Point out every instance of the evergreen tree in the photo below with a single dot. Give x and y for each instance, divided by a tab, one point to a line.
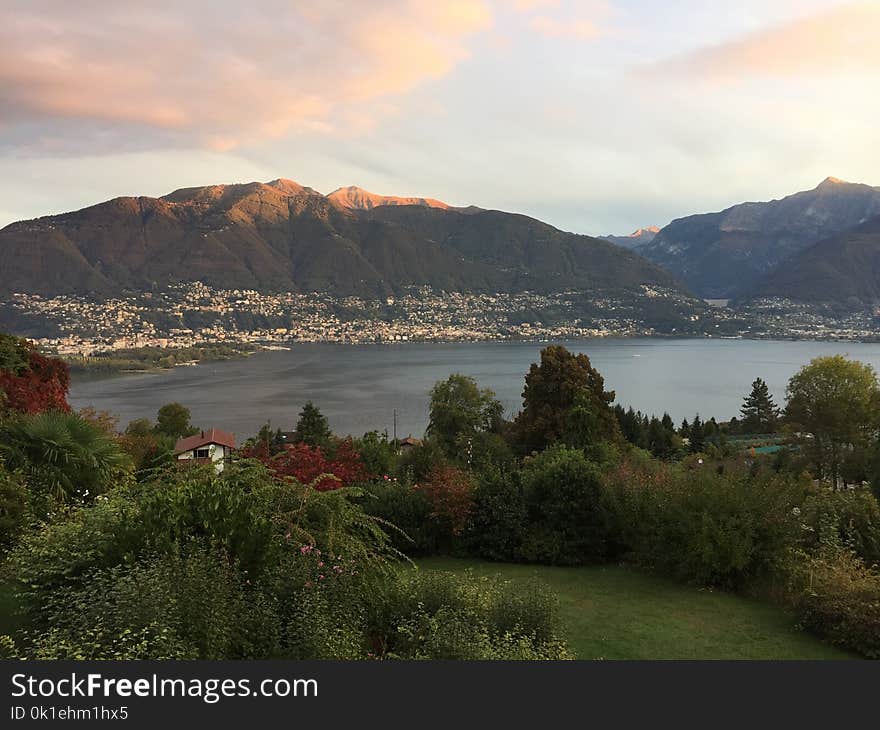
560	382
759	412
684	430
312	427
660	439
697	437
667	423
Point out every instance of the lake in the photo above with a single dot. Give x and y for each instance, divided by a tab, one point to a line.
358	387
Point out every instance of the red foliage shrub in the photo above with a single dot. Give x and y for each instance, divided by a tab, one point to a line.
41	386
450	492
307	463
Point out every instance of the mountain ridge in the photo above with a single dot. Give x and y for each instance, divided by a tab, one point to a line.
282	236
725	254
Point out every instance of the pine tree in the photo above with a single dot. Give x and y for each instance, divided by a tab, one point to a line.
685	429
312	427
759	412
697	437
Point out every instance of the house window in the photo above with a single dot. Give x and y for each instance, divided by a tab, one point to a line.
203	453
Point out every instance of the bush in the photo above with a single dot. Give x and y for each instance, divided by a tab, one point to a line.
439	615
409	510
567	521
838	597
702	526
449	491
13	508
852	516
63	456
499	516
419	461
192	604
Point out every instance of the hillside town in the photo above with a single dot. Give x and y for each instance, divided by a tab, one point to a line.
191	314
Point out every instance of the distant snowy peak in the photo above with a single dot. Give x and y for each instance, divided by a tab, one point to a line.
635	239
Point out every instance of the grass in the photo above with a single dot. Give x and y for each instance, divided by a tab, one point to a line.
618	612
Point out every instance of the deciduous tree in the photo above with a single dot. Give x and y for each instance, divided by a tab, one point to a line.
834	402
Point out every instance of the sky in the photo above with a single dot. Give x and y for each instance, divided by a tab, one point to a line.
598	116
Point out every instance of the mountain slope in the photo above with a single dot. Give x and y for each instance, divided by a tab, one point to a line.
281	236
723	255
842	270
360	199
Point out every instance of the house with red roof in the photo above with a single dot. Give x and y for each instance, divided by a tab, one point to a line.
207	447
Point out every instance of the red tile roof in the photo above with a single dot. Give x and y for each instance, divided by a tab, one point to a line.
214	436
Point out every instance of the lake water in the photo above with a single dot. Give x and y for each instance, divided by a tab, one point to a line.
358	387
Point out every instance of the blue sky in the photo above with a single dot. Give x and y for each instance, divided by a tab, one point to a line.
596	116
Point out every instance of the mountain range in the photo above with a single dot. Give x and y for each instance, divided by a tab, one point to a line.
727	254
283	236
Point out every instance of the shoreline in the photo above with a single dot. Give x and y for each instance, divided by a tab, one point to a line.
99	373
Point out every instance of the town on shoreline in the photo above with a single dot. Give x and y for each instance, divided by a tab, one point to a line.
188	323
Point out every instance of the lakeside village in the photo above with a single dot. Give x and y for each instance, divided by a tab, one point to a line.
192	314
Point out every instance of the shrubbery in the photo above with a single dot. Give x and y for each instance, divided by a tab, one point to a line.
440	615
837	596
196	565
701	526
567	522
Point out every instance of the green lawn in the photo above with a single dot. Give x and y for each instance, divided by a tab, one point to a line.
617	612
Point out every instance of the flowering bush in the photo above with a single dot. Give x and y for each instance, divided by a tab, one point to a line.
310	465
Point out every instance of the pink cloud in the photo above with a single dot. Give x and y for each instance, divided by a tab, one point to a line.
219	73
838	41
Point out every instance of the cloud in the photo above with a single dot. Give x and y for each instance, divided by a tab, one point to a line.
834	42
214	73
554	28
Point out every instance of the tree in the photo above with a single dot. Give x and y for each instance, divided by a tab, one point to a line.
144	444
63	456
759	412
172	420
567	520
312	427
460	410
560	382
834	402
450	492
662	441
31	382
697	435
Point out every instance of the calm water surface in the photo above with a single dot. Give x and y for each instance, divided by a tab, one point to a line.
358	387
